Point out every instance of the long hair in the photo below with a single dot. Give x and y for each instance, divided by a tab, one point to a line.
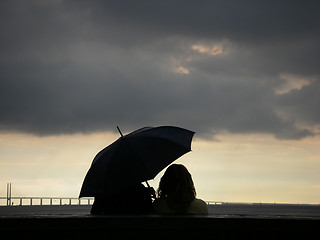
177	187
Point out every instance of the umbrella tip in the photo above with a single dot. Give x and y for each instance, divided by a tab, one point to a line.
120	131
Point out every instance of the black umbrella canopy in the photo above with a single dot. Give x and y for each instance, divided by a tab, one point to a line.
134	158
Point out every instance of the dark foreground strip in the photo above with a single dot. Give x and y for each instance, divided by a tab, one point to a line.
150	227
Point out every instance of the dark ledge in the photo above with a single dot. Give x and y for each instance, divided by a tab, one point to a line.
86	226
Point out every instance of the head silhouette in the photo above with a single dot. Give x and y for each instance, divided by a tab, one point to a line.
177	186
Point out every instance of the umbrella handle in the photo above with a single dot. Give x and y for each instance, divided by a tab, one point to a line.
153	194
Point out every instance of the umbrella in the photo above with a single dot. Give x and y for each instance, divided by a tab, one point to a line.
135	158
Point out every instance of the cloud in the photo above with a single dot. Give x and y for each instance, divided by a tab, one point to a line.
211	67
214	50
292	82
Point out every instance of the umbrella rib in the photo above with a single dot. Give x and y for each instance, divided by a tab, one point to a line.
141	162
168	140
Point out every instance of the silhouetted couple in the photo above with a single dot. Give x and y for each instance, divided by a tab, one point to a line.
176	195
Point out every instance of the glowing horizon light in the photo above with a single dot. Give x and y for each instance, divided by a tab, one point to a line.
234	168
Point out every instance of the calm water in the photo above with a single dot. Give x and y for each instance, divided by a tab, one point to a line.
224	210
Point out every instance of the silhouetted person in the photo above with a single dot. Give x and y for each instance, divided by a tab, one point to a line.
134	200
177	194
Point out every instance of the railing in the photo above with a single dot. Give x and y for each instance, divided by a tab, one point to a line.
214	203
30	201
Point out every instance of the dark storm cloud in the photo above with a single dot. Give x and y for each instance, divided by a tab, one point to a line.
82	66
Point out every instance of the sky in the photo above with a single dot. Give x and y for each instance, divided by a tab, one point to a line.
244	75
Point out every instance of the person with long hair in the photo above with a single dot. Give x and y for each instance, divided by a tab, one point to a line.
176	193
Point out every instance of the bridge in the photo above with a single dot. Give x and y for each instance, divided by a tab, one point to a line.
31	201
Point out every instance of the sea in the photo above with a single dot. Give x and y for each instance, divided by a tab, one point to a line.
225	210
